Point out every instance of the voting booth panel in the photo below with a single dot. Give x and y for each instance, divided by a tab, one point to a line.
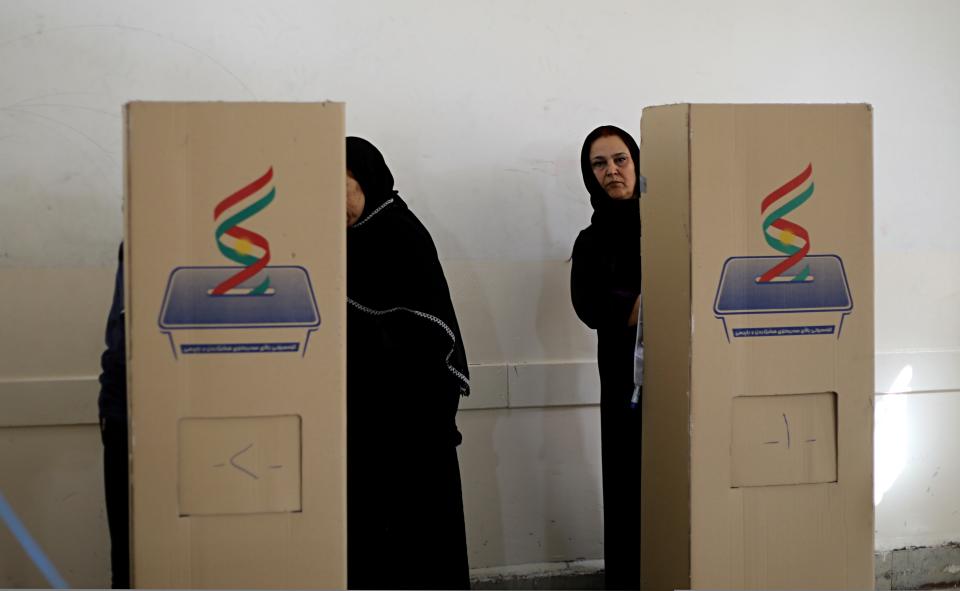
235	295
758	323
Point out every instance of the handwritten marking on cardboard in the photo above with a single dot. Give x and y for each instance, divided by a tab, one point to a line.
238	466
786	423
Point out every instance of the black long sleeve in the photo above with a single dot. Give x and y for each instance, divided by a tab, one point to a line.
113	361
601	298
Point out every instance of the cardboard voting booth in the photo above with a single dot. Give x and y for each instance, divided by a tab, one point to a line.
758	323
235	294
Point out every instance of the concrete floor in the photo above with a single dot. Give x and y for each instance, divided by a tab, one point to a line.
919	568
580	574
907	568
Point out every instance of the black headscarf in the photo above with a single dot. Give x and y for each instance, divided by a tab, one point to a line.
394	274
609	213
366	164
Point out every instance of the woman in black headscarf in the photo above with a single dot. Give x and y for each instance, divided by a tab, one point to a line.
406	370
605	288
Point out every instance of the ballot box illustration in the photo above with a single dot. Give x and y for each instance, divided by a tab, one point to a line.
203	306
235	281
813	289
199	321
757	252
819	302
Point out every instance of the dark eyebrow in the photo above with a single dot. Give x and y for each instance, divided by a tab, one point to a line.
599	158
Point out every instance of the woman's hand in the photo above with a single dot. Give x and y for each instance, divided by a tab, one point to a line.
635	313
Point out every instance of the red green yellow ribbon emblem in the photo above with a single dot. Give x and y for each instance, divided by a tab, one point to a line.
240	248
786	234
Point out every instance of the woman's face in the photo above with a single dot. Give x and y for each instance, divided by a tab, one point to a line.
612	165
355	200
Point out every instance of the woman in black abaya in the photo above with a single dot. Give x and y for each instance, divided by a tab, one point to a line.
406	370
605	288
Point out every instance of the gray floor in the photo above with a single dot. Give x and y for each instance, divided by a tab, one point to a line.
919	568
907	568
575	581
578	574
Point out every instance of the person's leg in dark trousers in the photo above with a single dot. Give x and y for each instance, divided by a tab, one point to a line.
620	451
113	433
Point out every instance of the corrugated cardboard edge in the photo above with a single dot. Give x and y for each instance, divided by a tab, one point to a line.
665	457
128	125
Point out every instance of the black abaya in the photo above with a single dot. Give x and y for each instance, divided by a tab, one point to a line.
605	283
406	369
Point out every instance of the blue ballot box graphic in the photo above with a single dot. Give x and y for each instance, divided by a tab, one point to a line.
819	303
199	321
801	293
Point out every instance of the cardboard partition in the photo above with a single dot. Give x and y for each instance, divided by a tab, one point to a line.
235	295
758	324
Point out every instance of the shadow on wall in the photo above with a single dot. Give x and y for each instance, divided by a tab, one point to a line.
479	459
58	497
530	476
467	288
61	128
569	514
482	498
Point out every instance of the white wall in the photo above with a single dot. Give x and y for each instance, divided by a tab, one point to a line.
480	108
